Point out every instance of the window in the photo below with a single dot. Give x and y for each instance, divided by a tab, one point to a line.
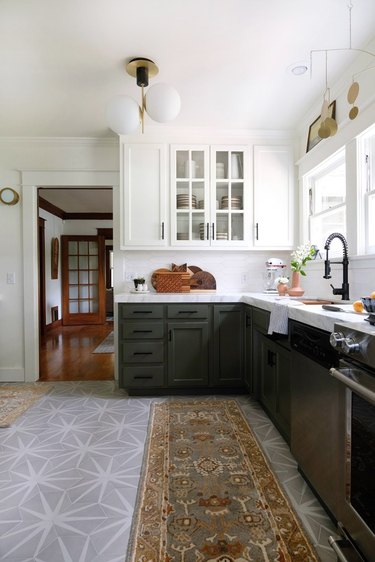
367	189
327	199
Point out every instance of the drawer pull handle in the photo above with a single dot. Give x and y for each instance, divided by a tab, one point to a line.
142	311
142	331
143	377
142	353
188	311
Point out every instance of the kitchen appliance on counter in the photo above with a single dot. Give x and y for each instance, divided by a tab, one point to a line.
274	268
356	509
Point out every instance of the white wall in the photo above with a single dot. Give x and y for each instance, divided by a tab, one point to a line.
53	228
16	156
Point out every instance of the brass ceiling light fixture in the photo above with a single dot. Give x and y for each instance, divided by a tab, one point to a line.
328	125
161	102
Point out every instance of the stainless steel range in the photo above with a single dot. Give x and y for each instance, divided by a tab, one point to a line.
356	509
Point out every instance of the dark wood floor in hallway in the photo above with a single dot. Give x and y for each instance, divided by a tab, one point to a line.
66	354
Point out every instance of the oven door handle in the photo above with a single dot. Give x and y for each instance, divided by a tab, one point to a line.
335	544
358	388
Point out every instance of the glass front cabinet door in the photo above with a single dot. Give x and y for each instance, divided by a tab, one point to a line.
229	223
209	196
190	205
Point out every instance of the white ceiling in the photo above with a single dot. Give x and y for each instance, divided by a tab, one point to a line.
79	200
61	61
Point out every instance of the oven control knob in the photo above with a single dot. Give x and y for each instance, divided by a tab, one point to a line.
336	339
349	345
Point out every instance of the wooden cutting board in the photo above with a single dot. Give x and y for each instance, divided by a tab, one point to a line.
203	280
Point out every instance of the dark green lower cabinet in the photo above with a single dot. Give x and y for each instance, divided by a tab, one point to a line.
228	345
182	346
273	372
188	354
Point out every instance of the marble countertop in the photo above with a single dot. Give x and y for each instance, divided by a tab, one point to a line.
312	314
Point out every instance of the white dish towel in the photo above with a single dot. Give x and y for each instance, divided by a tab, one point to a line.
278	319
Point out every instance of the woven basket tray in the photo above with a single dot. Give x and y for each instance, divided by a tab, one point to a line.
172	282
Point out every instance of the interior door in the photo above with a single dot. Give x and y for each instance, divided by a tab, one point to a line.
83	286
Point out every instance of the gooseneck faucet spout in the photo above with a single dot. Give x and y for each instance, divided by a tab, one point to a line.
344	291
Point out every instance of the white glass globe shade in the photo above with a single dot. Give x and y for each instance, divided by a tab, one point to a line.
162	102
123	115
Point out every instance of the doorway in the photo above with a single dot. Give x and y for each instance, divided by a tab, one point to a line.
68	342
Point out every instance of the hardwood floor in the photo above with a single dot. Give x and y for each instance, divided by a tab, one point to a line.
66	354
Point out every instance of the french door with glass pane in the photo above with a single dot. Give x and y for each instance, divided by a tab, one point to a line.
83	287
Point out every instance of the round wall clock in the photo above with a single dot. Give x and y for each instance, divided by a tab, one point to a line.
9	196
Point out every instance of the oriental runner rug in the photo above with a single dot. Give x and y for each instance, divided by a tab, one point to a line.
207	493
17	398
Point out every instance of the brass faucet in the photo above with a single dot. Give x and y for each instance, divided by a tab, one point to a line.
344	291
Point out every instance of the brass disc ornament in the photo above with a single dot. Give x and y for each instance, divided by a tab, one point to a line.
324	132
353	92
353	112
331	124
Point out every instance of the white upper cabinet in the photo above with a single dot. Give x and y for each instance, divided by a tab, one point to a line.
273	196
209	196
143	195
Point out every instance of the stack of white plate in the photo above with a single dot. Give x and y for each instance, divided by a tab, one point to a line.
222	236
182	236
201	204
220	173
202	231
235	203
183	201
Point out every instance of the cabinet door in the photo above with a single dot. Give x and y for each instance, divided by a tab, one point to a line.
188	353
273	196
143	195
248	349
190	201
267	375
230	197
228	345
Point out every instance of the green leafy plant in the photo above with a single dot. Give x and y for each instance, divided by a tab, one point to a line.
301	256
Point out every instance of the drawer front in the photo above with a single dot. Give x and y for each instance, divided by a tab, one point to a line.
141	311
142	376
142	330
261	318
187	311
143	352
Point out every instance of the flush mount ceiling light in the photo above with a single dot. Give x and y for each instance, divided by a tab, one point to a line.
298	68
161	102
328	125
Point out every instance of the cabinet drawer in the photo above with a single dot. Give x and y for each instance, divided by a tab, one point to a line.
143	352
141	311
261	318
142	330
187	311
143	376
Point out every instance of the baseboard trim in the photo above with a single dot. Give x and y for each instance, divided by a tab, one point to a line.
53	325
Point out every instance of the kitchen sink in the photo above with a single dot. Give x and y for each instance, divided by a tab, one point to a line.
315	301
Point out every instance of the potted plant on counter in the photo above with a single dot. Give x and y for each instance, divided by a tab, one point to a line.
300	257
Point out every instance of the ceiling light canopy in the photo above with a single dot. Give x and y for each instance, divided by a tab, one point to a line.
161	102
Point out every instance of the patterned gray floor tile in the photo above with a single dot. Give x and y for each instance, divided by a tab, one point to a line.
69	471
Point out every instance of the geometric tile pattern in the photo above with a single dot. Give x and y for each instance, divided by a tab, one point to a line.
70	466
